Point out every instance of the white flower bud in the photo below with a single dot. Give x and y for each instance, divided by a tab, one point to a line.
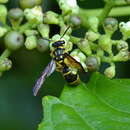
110	71
34	15
68	6
125	29
122	45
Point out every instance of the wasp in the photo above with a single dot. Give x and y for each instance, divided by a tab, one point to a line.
61	62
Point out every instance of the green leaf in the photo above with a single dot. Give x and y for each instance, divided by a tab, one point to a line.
102	104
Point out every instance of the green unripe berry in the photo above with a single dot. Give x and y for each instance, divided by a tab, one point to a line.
42	45
51	17
92	63
110	25
29	3
15	13
31	42
44	30
3	1
5	64
105	43
3	13
93	23
14	40
74	20
91	36
85	46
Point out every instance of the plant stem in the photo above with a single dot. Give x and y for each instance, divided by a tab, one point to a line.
106	59
104	13
116	11
5	54
24	27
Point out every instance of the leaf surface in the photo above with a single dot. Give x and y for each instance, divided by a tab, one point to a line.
102	104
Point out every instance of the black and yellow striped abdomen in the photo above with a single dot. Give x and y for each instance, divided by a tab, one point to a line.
70	77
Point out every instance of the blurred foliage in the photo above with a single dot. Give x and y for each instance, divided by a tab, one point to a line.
19	109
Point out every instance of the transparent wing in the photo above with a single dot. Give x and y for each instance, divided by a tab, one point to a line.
71	62
50	68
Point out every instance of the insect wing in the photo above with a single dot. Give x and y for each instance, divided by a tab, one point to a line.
71	62
46	73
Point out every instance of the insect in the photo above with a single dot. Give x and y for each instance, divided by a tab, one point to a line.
61	62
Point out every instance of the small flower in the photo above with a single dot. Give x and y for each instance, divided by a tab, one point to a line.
34	15
110	71
68	6
122	45
5	64
125	29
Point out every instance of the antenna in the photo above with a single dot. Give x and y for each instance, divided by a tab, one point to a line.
65	31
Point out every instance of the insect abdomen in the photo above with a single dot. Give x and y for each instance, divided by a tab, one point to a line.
70	77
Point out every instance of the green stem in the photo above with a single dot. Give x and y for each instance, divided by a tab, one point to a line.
106	59
25	27
116	11
106	10
5	54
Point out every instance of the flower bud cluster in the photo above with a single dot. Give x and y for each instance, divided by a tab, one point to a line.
30	28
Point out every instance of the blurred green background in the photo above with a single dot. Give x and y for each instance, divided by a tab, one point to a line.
19	109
